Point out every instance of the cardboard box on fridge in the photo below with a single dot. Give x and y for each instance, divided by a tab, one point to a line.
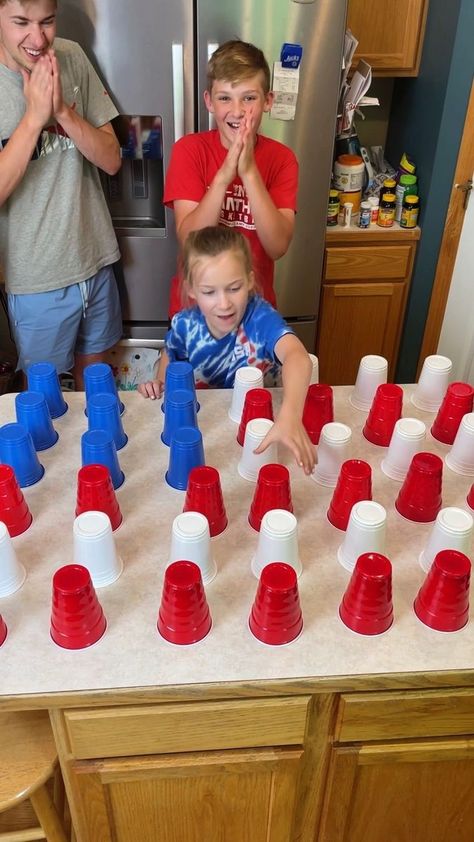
132	366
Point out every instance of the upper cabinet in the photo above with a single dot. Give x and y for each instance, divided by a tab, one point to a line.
390	34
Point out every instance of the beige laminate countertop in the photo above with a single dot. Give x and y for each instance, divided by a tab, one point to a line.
132	654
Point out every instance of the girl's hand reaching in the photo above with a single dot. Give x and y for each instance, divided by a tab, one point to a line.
151	389
290	432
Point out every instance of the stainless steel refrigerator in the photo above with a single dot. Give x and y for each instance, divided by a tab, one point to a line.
152	56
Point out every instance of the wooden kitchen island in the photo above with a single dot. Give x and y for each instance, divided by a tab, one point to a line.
335	737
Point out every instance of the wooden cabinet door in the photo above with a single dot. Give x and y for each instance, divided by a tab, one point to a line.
358	319
390	34
408	792
236	796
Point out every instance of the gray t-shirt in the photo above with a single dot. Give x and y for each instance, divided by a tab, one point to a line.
55	228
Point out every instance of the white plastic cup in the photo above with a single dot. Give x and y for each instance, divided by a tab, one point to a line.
452	530
315	371
371	374
277	541
432	383
333	450
366	533
246	378
407	436
94	548
250	462
461	456
12	573
191	541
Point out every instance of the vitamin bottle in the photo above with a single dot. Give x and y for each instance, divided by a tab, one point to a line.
410	208
333	207
386	216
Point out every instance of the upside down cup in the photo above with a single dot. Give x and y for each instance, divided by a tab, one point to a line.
104	414
366	606
33	412
95	493
276	616
179	375
204	495
442	603
470	498
12	573
385	411
17	449
43	377
272	491
457	401
184	615
180	411
3	630
98	448
419	498
318	409
14	511
99	379
186	453
354	484
257	404
77	619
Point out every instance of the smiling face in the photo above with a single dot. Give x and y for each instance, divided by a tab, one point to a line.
221	286
27	31
231	102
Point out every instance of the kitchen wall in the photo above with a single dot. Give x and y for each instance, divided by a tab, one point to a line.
426	120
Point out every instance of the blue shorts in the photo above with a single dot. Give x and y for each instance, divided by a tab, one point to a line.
83	318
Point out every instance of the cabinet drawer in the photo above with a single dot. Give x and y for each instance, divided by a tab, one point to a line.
381	716
367	262
193	726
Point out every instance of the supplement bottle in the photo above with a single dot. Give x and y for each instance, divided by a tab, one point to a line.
386	216
406	186
365	215
410	208
333	207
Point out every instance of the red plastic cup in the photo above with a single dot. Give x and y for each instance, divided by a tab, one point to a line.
77	619
470	497
366	606
419	498
204	495
354	484
384	413
442	603
95	493
276	616
257	404
272	491
318	409
3	630
14	511
458	401
184	615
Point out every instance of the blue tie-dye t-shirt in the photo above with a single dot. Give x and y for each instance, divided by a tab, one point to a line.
215	361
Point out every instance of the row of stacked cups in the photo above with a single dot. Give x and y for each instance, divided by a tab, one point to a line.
277	545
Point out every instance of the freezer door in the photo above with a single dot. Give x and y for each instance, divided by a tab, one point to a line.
319	26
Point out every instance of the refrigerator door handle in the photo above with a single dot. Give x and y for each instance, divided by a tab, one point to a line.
178	89
211	48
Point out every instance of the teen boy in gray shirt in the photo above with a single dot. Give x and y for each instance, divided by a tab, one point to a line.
57	241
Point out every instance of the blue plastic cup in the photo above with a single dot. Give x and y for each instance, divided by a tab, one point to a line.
32	411
43	377
186	452
99	378
98	448
179	375
180	411
18	451
103	414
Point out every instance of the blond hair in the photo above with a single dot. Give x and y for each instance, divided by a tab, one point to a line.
235	61
211	242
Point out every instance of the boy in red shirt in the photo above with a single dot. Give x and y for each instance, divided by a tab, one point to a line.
232	175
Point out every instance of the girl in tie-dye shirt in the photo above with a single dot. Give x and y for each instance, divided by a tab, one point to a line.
231	326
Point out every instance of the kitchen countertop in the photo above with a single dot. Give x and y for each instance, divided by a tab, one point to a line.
353	235
132	654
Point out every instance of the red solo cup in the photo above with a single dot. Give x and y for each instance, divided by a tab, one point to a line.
384	413
354	484
95	493
14	511
419	498
366	606
458	401
204	495
272	491
184	615
276	616
442	603
257	404
3	630
77	619
470	497
318	409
